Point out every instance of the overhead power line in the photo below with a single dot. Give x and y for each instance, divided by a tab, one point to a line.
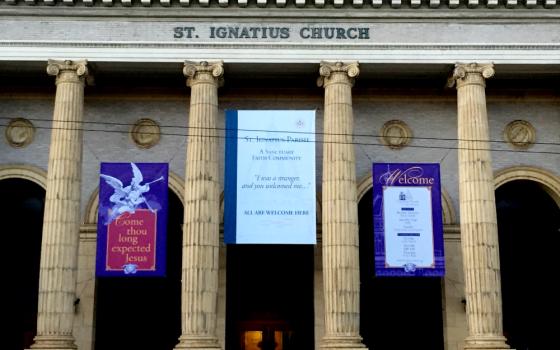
263	131
315	141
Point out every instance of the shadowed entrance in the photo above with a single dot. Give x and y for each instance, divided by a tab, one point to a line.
396	313
269	297
21	214
528	228
143	312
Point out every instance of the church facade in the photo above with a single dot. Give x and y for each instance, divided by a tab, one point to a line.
470	85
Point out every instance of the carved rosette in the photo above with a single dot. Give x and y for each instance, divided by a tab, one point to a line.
68	71
337	72
471	73
204	72
520	134
145	133
396	134
19	132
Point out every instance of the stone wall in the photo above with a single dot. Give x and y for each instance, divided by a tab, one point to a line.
427	117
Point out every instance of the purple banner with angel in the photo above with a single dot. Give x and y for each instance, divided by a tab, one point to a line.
407	220
132	219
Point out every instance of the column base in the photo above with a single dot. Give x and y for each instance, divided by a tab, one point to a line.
342	342
198	342
488	342
53	342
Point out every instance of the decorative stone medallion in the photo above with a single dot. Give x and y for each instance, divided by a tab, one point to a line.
145	133
396	134
19	132
520	134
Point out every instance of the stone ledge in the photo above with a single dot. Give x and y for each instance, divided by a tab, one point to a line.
394	5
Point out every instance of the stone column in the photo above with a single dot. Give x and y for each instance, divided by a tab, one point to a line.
61	222
341	269
479	234
201	229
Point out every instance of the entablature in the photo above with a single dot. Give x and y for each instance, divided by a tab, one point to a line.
281	32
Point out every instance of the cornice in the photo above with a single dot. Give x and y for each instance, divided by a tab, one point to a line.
320	46
285	8
265	52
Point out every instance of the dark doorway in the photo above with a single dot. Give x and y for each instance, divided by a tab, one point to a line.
528	228
143	312
396	313
269	297
21	213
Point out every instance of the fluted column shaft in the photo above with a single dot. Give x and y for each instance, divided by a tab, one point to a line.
202	211
479	234
341	272
61	221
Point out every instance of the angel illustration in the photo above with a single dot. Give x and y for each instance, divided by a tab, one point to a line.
127	199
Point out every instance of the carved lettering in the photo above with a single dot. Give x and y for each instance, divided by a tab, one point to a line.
183	32
246	33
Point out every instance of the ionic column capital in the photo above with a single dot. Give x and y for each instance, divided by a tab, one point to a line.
337	72
68	71
204	72
471	74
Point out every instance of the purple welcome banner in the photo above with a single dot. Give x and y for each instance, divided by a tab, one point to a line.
407	220
132	219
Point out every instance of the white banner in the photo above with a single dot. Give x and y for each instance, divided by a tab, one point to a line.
270	177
